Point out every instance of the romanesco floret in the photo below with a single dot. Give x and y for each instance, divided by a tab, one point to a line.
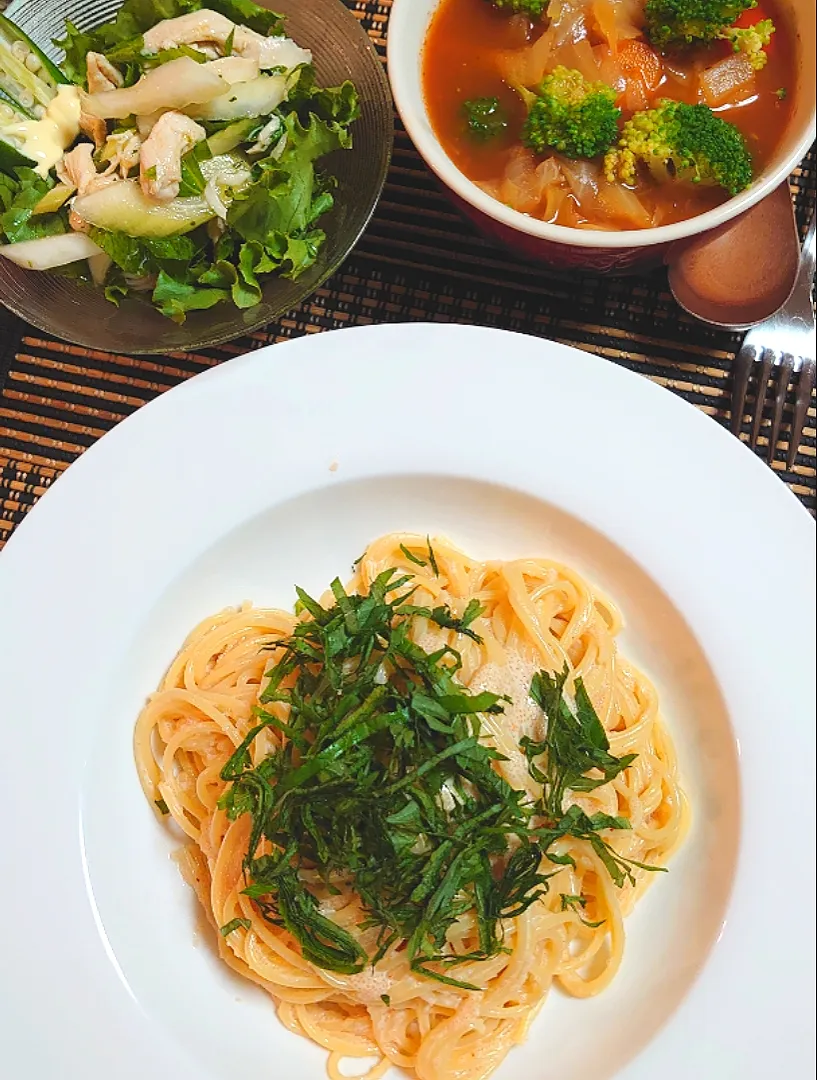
571	115
683	142
751	41
670	23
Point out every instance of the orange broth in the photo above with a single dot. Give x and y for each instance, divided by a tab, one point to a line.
472	50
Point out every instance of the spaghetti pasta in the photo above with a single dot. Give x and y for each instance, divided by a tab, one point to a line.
534	614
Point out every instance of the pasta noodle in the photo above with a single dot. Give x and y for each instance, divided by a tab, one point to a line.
536	614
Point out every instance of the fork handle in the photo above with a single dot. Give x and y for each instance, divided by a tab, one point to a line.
805	381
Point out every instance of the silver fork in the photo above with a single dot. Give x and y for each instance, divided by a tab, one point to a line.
784	344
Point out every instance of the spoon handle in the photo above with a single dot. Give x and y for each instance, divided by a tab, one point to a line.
800	303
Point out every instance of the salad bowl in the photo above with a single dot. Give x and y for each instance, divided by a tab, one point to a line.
77	312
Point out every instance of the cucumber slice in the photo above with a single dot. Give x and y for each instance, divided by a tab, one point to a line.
50	251
124	208
231	171
222	142
259	97
54	199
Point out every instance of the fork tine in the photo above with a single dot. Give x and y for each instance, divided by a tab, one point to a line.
783	377
805	387
740	382
760	393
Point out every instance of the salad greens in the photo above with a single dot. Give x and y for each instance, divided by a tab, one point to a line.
246	199
384	784
20	194
120	39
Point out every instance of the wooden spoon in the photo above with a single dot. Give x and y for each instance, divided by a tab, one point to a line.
742	272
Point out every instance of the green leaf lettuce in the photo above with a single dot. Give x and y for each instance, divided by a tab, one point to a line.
137	16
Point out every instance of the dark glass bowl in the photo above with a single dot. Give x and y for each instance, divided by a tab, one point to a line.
80	314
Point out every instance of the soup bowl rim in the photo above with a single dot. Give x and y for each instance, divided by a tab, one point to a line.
405	75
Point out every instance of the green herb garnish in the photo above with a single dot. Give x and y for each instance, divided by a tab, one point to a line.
570	900
576	744
432	558
442	617
578	904
234	924
161	806
411	557
384	786
781	93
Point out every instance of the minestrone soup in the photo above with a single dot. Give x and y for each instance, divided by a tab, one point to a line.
609	114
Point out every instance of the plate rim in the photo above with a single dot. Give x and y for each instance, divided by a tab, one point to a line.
42	536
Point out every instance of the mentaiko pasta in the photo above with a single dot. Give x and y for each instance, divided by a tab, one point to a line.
427	1010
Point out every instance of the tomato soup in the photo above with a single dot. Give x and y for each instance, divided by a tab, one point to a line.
475	51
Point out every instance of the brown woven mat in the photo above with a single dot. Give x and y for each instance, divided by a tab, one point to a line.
418	261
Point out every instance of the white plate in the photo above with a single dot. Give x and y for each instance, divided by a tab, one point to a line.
277	468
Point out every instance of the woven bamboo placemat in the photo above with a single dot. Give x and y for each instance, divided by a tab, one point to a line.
417	261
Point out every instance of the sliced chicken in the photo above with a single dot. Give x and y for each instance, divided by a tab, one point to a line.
173	135
207	29
122	150
94	128
102	75
172	86
78	223
203	27
78	170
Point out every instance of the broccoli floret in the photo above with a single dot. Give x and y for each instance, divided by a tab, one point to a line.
685	142
751	40
533	8
485	118
671	23
572	115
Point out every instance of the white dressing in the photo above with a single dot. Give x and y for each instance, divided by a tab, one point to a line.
46	140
